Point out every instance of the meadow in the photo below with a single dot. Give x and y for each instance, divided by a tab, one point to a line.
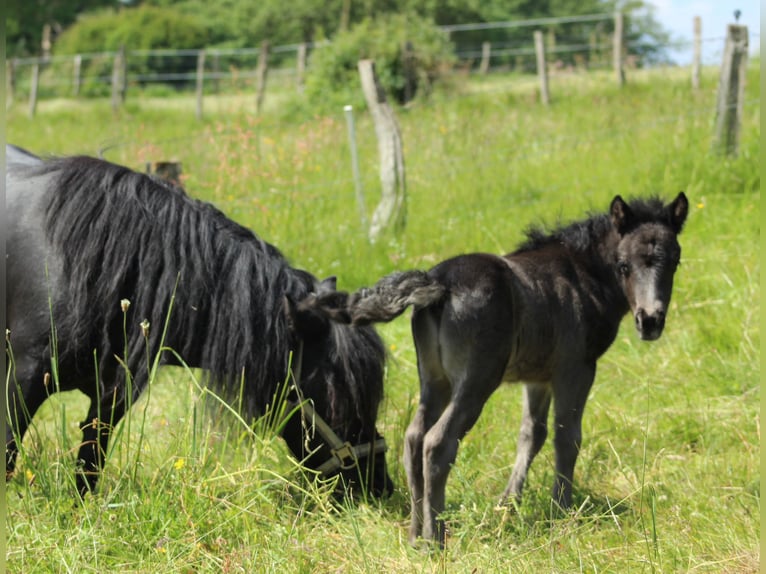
668	476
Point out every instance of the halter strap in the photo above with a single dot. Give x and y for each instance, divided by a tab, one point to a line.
343	456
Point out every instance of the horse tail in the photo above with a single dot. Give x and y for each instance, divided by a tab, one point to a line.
390	296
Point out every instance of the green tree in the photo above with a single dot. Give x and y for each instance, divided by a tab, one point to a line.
24	21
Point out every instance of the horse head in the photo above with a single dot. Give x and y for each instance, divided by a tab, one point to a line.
340	380
647	257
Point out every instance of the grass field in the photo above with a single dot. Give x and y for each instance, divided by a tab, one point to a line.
668	477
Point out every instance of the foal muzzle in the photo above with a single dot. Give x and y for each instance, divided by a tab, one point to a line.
649	327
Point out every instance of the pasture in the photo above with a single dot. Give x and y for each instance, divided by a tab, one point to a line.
668	478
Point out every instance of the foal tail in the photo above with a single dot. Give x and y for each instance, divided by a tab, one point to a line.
390	296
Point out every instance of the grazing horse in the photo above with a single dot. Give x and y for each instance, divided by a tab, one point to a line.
94	249
543	315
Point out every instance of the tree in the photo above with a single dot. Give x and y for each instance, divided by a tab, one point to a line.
25	20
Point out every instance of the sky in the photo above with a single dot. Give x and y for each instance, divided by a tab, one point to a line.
677	16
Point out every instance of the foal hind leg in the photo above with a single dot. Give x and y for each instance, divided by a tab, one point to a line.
534	431
440	448
571	386
435	391
433	400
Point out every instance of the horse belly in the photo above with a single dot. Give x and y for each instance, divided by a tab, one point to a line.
532	353
529	369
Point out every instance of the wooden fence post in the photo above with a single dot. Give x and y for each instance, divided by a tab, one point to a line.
77	75
542	70
391	211
261	72
34	81
410	76
731	91
216	72
697	61
200	81
617	47
301	67
167	170
10	82
486	50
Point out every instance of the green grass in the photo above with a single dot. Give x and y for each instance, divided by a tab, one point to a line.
668	479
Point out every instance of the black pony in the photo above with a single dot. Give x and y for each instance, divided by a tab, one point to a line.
543	315
91	245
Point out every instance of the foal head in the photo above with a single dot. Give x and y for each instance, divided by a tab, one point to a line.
647	256
341	372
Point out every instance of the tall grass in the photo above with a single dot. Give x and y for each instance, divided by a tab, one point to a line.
668	477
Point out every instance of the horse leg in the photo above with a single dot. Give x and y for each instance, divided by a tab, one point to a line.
96	431
435	391
440	447
26	391
534	430
432	404
571	386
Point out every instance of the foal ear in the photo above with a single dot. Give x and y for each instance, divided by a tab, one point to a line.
678	210
621	214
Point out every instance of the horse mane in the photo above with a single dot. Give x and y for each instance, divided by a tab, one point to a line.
581	235
216	288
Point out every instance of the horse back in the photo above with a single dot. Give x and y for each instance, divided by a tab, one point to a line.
572	297
538	311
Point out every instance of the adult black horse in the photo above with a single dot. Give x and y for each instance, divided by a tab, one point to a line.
543	315
93	246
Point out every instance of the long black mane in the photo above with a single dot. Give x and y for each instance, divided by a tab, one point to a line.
126	235
583	234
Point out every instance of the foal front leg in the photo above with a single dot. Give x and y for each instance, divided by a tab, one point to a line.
571	386
534	431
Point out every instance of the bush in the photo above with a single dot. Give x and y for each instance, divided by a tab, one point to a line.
142	28
333	77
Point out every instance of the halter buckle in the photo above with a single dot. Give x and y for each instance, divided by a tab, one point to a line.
345	455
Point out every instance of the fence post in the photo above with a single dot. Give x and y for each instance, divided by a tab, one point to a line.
10	82
200	81
697	61
542	70
391	211
77	73
617	48
349	111
301	67
34	81
731	90
117	77
261	73
486	50
410	77
216	72
167	170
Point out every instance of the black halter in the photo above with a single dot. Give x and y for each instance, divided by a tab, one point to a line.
343	455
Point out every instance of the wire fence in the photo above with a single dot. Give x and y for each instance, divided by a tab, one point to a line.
282	194
480	48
